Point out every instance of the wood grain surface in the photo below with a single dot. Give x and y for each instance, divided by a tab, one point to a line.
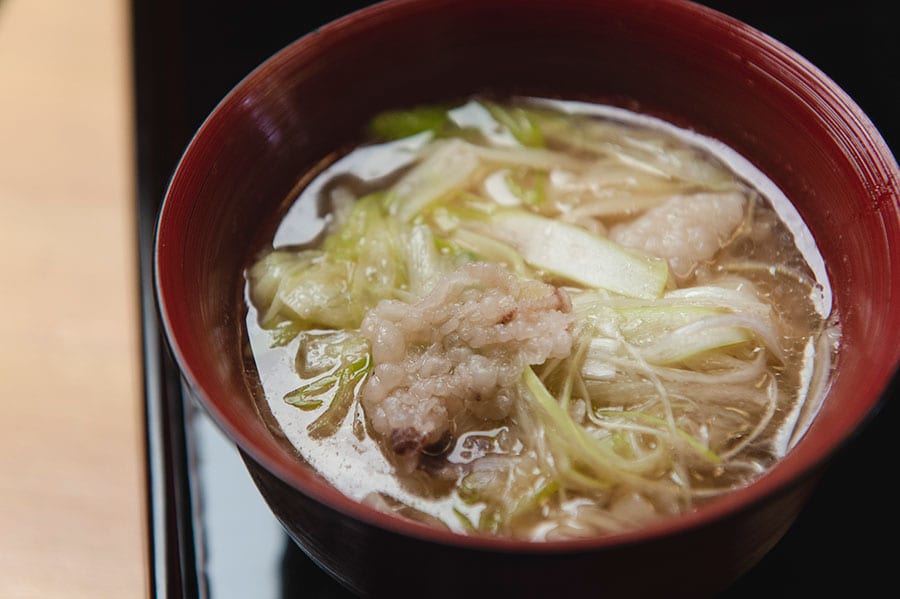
71	461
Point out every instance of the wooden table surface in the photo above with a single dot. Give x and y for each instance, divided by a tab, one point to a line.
71	461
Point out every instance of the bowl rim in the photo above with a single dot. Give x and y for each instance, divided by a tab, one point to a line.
777	480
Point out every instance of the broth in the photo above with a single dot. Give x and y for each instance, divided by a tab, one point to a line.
539	319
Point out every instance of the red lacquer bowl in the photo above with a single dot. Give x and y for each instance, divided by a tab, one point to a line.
670	58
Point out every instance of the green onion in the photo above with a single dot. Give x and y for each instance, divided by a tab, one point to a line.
398	124
519	122
692	441
347	378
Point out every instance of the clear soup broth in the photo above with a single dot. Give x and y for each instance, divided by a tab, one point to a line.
539	319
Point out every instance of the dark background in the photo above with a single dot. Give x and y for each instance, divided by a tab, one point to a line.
190	53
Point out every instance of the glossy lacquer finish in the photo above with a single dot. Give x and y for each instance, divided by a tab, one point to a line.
677	60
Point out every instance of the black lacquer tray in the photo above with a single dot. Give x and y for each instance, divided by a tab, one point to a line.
211	535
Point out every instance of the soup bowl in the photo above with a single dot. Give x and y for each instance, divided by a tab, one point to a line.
679	61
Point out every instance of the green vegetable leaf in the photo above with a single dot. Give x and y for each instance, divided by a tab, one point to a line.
398	124
527	185
577	254
347	378
307	397
464	520
701	449
519	122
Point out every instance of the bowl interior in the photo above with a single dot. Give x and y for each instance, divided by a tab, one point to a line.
676	60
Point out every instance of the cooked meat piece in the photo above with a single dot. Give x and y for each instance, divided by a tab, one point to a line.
461	348
685	230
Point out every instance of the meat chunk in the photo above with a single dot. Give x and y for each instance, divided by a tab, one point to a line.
685	230
460	349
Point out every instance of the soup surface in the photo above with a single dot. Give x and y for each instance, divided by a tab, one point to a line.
539	319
